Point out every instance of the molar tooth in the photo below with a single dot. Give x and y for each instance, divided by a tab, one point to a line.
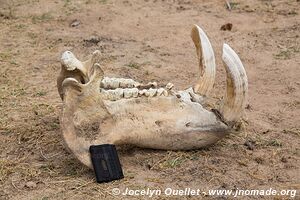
130	92
115	83
146	92
116	94
136	84
127	93
152	92
122	83
119	93
141	93
135	92
127	83
154	84
110	95
104	82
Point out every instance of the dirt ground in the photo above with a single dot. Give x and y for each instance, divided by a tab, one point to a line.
148	40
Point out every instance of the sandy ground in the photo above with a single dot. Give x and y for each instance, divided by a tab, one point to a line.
148	40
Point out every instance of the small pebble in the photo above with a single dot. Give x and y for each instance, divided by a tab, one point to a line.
226	27
250	144
75	23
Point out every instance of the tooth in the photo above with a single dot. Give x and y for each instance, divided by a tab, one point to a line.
115	83
109	95
127	83
116	94
154	84
135	92
142	92
136	84
169	86
237	85
146	93
130	92
127	93
122	83
119	93
104	82
206	59
152	92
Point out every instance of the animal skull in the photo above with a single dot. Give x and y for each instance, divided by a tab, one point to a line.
99	110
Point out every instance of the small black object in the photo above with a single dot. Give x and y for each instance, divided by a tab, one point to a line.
106	163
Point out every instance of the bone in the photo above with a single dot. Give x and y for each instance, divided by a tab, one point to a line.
72	67
70	62
94	58
207	63
176	122
237	85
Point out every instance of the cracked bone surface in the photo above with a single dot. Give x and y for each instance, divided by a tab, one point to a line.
100	110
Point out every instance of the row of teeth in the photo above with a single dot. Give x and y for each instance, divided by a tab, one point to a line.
128	93
114	83
118	88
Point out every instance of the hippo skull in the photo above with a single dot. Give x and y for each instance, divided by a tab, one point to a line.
99	109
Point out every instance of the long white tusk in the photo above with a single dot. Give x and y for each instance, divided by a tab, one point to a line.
207	64
237	85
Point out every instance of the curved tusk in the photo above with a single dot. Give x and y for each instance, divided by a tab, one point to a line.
207	64
237	85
